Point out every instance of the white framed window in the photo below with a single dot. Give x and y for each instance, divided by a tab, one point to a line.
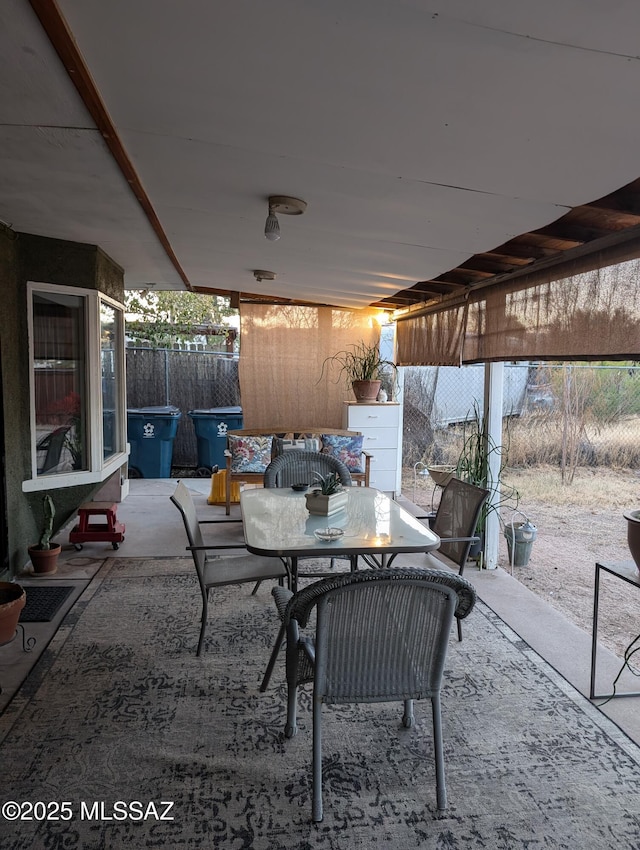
77	386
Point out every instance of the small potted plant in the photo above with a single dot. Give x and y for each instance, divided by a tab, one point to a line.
44	555
329	498
362	366
12	601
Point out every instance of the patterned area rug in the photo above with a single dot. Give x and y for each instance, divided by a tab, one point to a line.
120	709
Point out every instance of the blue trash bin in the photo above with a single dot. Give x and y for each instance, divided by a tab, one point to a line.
151	432
211	428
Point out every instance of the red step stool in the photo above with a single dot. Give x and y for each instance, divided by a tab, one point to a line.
85	531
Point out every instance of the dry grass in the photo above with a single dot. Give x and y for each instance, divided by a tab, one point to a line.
536	440
591	487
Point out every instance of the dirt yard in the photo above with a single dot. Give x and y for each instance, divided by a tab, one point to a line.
577	525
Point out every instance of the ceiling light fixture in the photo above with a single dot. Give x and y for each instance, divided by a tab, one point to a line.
262	274
283	205
272	227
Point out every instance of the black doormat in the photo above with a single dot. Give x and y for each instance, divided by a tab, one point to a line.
43	603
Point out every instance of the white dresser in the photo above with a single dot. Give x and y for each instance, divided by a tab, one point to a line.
381	425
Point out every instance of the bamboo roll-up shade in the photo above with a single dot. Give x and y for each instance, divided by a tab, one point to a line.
282	351
434	339
594	315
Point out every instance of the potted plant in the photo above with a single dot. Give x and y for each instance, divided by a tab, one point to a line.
44	555
12	601
474	466
633	535
363	368
329	498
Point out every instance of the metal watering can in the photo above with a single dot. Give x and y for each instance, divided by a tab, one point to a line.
520	538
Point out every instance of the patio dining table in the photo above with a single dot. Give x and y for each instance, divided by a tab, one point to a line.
277	523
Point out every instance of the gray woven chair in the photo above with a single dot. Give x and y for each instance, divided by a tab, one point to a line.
455	524
379	636
300	467
216	570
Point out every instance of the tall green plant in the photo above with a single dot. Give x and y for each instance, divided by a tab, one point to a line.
358	362
473	466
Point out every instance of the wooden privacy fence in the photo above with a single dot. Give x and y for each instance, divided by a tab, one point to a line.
188	380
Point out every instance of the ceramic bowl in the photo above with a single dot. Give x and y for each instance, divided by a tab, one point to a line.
299	488
328	534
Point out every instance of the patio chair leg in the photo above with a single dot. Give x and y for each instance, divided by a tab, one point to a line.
255	587
203	622
291	726
441	789
459	624
317	761
272	660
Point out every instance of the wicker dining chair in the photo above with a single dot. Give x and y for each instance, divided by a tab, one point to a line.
379	636
300	467
215	569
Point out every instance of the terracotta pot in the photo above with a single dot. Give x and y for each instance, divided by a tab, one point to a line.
12	601
633	535
44	561
366	392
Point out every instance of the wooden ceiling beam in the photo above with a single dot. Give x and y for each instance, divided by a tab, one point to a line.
591	216
463	276
507	259
67	49
526	248
492	264
438	286
609	226
563	238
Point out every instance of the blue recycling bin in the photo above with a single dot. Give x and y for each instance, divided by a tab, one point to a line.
151	432
211	426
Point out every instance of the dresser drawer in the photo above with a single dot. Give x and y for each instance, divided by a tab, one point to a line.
379	438
384	459
364	416
383	480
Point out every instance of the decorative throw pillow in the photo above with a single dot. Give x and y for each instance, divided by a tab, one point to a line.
346	449
306	444
249	454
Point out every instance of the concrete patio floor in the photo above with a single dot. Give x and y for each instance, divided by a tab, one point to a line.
154	529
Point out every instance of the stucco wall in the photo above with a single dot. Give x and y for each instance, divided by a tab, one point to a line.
24	257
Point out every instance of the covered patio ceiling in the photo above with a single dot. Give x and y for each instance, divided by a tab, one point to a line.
439	146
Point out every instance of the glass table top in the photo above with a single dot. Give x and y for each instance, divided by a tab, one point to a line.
277	522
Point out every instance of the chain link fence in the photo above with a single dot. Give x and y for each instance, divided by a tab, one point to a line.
567	415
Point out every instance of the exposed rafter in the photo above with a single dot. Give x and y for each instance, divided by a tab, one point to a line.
609	224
